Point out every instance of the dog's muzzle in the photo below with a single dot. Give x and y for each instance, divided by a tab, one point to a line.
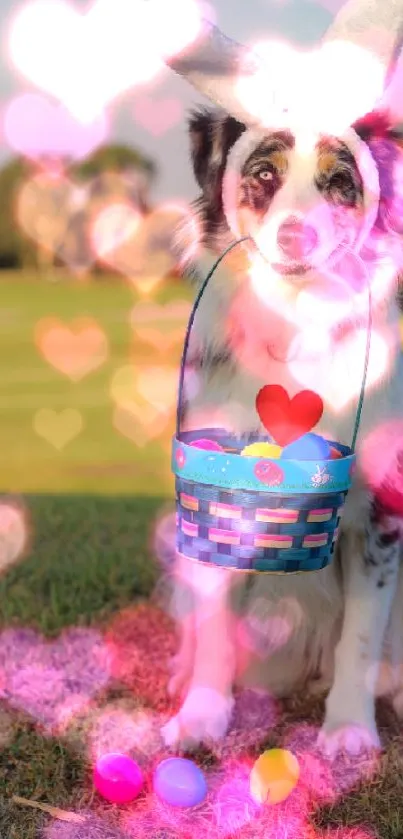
296	240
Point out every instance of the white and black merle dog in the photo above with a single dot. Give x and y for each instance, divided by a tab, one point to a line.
339	629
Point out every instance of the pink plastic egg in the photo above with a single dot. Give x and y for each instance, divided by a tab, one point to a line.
209	445
118	778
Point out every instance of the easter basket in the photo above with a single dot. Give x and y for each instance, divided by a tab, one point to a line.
253	513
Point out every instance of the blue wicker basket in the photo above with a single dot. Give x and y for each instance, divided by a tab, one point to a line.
254	514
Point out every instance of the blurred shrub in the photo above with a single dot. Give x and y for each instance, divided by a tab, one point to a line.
17	250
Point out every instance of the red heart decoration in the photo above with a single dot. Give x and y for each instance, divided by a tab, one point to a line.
288	419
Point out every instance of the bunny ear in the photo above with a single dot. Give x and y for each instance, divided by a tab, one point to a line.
374	25
392	99
212	64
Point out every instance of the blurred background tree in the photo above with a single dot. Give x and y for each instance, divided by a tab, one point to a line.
116	171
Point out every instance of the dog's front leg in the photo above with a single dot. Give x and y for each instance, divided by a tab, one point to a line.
370	568
206	711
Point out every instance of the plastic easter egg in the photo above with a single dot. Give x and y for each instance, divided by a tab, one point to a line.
274	776
309	447
262	450
335	454
179	782
118	778
209	445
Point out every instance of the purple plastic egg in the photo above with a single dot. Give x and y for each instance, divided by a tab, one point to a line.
179	782
309	447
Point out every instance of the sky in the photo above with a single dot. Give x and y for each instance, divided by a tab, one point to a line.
169	97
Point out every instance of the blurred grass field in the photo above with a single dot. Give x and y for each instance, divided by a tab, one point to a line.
100	459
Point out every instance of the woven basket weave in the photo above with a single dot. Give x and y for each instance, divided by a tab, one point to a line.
256	514
251	527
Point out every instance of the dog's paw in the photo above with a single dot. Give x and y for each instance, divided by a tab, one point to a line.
204	718
349	738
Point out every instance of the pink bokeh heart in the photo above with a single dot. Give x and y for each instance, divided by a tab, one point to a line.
338	375
52	210
58	427
35	127
157	115
142	408
382	463
52	680
58	212
74	350
142	248
140	423
13	534
158	385
161	326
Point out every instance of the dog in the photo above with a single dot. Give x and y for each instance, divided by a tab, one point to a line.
339	629
293	303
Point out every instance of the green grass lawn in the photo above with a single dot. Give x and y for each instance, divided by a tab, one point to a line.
99	459
90	507
85	585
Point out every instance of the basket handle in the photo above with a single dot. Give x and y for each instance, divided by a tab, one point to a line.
190	325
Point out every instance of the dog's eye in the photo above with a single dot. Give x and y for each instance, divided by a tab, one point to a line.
341	181
265	175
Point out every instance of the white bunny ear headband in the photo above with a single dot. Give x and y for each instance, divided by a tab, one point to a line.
221	69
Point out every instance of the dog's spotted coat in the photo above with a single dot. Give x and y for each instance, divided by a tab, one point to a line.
345	619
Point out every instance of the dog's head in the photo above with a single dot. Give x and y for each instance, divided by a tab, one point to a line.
301	199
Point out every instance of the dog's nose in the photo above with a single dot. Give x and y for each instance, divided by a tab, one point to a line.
295	239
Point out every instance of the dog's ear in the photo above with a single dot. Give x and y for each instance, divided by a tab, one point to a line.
212	135
385	142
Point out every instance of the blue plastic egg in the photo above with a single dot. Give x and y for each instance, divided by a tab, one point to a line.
309	447
179	782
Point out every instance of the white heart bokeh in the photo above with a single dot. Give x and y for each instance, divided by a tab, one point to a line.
325	89
86	60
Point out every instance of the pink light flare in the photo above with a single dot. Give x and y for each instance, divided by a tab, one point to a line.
157	115
145	248
164	539
256	713
302	322
74	350
52	681
381	461
14	534
316	358
338	376
36	128
92	827
302	90
183	230
329	295
263	634
114	225
337	291
87	59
